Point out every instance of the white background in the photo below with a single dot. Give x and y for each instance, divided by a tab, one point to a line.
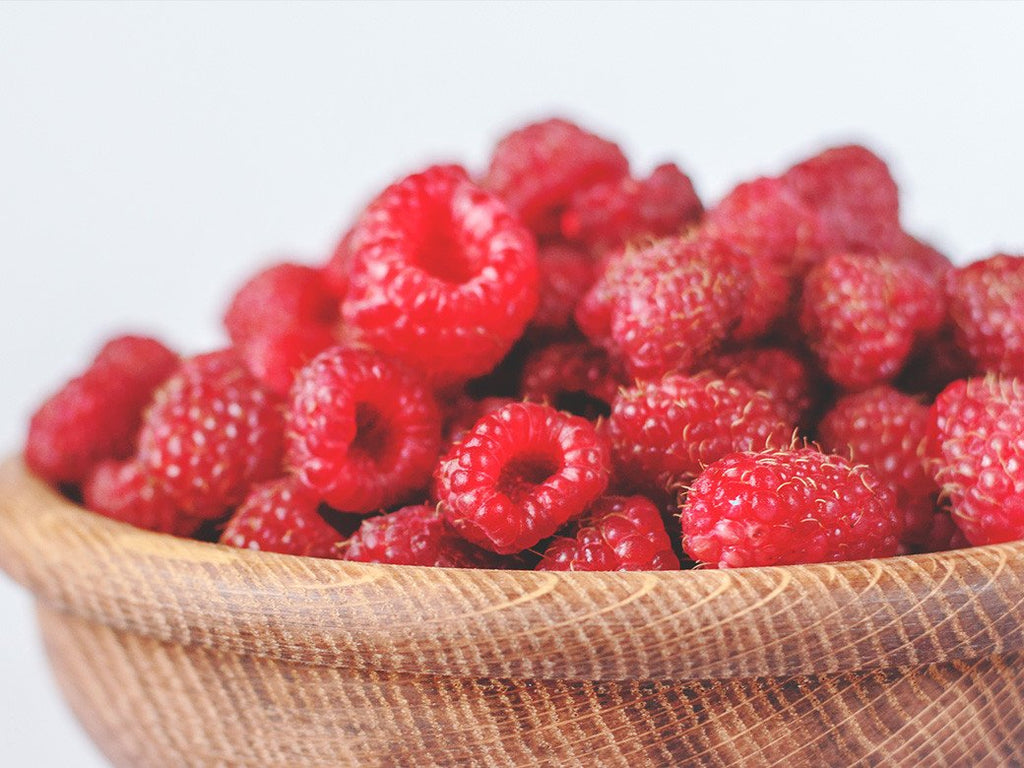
153	155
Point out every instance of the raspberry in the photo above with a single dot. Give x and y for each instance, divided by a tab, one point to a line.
862	315
788	506
886	430
443	277
931	262
943	535
566	274
97	415
364	431
593	313
573	377
466	411
609	214
124	491
537	169
934	363
976	446
520	474
338	266
282	297
210	433
674	301
663	433
854	195
416	535
282	516
986	304
275	358
618	533
774	370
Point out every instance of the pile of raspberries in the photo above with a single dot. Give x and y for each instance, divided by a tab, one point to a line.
558	365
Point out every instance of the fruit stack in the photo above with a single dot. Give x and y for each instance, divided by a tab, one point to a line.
556	364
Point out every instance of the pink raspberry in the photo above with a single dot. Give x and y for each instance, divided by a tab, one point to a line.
976	447
566	274
986	304
124	491
364	431
787	506
282	516
520	474
574	377
886	430
774	370
211	432
416	535
536	169
862	315
854	195
609	214
96	416
442	276
618	533
663	433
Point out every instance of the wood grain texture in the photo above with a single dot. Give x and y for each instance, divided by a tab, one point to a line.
177	653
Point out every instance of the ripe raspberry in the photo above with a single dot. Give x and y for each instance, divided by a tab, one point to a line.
364	431
886	430
211	432
609	214
943	535
934	363
976	445
520	474
123	490
282	516
862	314
788	506
855	196
280	298
537	169
566	274
618	533
464	412
931	262
338	266
443	277
674	301
663	433
416	535
986	304
97	415
276	358
774	370
593	313
573	377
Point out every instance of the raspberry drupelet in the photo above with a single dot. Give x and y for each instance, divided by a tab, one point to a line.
364	431
777	371
617	533
788	506
520	474
443	277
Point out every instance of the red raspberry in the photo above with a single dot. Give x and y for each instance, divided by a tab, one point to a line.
886	430
520	474
416	535
663	433
566	274
338	267
465	412
280	298
674	301
97	415
862	314
976	443
943	535
443	277
282	516
931	262
774	370
211	432
275	358
364	431
619	533
788	506
986	304
609	214
124	491
934	363
537	169
593	313
855	196
573	377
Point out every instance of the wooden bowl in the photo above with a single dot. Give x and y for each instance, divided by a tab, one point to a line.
178	653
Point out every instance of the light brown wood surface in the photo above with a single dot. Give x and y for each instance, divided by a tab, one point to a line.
179	653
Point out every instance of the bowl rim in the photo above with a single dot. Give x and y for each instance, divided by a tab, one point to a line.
791	620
